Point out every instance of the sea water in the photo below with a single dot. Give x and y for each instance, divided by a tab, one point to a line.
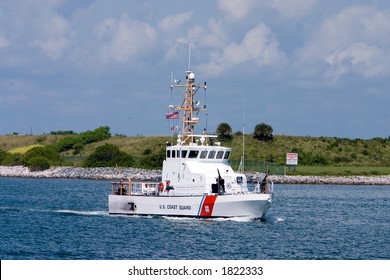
67	219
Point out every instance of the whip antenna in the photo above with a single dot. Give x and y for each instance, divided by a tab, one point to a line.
189	56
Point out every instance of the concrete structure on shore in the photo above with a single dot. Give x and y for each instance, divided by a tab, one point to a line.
106	173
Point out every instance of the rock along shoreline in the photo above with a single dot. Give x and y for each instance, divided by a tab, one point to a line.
107	173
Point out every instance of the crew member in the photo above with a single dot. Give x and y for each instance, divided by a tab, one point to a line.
169	187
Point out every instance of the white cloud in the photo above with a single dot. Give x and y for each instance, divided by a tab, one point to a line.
215	36
173	23
352	41
258	46
358	58
202	38
235	9
127	38
54	33
36	24
292	8
53	47
58	40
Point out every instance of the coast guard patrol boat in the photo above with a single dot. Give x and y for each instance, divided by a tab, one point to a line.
197	180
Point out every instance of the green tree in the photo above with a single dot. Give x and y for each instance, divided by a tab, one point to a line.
224	132
67	143
41	158
108	155
38	163
152	161
63	132
3	155
12	159
77	142
99	134
263	132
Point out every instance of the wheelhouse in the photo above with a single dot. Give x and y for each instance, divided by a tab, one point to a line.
201	153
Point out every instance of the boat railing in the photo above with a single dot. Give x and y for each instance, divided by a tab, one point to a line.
135	188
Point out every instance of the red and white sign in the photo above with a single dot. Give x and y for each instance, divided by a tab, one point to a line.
291	159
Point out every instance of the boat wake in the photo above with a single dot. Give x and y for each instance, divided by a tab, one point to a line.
274	220
88	213
75	212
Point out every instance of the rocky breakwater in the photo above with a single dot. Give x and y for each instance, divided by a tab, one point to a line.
97	173
106	173
325	180
334	180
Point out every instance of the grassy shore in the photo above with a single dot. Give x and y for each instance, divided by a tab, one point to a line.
339	170
317	155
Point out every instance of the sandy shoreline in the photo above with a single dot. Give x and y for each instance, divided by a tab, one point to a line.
105	173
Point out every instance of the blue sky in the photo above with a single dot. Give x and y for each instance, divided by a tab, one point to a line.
305	67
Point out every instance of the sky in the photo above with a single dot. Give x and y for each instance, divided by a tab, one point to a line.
305	67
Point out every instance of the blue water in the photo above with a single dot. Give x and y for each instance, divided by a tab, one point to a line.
67	219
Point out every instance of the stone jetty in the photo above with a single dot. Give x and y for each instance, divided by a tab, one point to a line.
106	173
332	180
97	173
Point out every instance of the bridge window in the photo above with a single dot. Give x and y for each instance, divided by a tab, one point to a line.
219	154
193	154
183	154
211	154
203	154
173	153
227	154
168	153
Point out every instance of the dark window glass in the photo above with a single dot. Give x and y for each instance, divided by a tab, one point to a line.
193	154
203	154
211	154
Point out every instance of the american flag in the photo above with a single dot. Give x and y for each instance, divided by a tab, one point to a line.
176	127
172	115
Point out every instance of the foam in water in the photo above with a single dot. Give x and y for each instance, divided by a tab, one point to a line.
102	213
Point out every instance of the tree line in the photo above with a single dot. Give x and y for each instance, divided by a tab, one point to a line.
262	132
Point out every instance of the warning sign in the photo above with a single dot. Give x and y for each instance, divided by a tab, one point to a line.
291	159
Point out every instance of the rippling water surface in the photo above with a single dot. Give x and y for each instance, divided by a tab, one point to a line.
68	219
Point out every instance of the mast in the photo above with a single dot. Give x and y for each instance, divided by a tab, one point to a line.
190	107
243	133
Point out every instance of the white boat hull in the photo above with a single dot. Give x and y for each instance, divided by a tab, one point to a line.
252	205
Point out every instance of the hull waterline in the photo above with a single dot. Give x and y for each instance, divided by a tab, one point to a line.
206	206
